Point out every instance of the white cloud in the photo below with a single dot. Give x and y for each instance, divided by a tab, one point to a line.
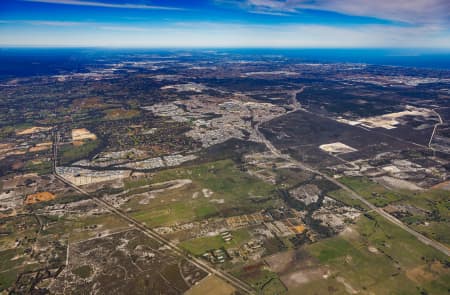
124	28
53	23
410	11
204	34
105	4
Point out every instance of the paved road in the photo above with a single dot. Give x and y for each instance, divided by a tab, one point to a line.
438	246
441	122
238	284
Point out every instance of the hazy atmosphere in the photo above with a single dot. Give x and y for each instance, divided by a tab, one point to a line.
226	23
225	147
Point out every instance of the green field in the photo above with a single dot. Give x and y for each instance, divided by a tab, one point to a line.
7	278
438	231
381	258
261	279
273	286
288	178
120	114
71	153
76	229
434	222
17	227
320	287
9	272
169	214
234	193
84	271
345	197
371	191
199	246
15	260
211	285
42	168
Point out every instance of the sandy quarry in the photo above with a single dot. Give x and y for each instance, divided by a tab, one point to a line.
41	147
39	197
32	130
395	183
82	134
390	121
337	148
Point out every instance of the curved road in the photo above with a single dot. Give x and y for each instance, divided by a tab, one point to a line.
441	122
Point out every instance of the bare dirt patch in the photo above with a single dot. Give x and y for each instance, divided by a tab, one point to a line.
41	147
390	121
31	130
349	232
211	285
336	148
280	261
300	277
82	134
39	197
443	185
296	268
394	183
207	193
425	273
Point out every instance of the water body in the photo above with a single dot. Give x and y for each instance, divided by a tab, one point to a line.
433	59
21	62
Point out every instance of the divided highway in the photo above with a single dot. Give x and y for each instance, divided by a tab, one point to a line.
435	244
238	284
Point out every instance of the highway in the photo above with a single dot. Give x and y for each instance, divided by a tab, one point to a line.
238	284
427	241
441	122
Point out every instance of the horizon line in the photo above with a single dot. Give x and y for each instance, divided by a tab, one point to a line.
20	46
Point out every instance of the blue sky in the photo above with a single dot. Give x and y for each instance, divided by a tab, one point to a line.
226	23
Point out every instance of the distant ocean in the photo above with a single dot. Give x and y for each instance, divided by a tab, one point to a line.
21	62
433	59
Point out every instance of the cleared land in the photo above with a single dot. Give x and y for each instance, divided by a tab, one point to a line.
376	257
304	132
199	246
211	285
82	134
336	148
39	197
231	192
32	130
426	211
